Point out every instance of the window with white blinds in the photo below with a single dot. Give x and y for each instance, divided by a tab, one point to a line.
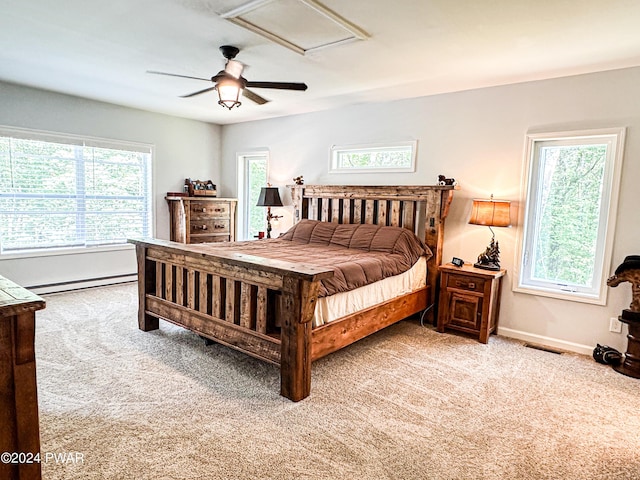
61	191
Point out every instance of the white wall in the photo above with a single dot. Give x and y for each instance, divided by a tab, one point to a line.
478	137
182	148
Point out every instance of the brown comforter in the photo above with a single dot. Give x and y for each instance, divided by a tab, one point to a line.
358	254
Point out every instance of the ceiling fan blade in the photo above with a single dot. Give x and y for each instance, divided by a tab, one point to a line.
198	92
278	85
176	75
254	97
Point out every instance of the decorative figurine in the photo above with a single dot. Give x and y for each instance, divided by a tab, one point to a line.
490	258
298	180
629	271
442	180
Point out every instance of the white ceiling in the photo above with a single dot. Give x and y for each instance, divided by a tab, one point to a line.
102	49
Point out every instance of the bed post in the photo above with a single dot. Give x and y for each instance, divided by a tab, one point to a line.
146	283
297	307
297	199
437	211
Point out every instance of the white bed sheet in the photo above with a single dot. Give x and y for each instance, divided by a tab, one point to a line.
344	303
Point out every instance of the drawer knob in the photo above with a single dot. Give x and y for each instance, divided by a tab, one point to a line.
470	285
200	227
217	209
204	210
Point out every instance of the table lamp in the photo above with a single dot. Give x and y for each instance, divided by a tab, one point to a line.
492	213
269	197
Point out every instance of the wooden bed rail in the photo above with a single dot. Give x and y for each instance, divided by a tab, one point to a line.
259	306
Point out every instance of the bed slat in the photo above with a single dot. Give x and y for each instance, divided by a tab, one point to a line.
261	310
191	288
382	213
179	286
203	292
368	212
395	213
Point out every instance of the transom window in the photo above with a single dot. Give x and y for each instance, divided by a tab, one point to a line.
390	157
60	191
569	215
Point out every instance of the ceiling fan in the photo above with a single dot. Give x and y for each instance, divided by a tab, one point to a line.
229	83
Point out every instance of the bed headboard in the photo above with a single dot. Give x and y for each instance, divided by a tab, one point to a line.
420	208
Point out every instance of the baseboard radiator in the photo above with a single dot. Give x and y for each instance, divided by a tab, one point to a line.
83	283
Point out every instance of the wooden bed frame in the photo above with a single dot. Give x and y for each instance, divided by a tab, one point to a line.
264	307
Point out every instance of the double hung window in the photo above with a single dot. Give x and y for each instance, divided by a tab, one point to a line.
61	191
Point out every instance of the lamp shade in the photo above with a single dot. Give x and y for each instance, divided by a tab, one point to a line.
229	91
492	213
269	197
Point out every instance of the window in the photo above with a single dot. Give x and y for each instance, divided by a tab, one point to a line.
392	157
569	215
61	191
252	176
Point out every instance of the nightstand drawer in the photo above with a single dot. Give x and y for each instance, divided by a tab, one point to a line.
466	282
208	210
209	226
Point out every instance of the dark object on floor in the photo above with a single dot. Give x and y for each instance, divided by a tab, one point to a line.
606	355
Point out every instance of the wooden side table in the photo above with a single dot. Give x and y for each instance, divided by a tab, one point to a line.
19	425
469	299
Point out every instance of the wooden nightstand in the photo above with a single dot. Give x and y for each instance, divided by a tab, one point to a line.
469	299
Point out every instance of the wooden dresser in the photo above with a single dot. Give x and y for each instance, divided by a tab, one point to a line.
19	425
202	219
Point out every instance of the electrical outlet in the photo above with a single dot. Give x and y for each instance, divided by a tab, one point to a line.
615	325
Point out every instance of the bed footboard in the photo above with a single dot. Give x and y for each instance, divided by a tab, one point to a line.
258	306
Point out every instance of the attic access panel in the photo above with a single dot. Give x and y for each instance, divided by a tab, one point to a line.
300	25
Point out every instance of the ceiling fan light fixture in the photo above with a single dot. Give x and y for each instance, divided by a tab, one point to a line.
229	92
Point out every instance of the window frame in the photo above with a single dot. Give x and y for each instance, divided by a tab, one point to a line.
84	141
335	151
615	138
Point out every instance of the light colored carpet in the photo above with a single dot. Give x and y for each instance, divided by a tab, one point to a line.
406	403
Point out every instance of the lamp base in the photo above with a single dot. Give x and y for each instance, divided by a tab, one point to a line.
487	266
490	258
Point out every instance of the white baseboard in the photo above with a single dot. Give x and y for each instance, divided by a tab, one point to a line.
546	341
76	285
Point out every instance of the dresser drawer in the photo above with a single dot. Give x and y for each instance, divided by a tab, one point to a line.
209	238
210	209
466	282
209	226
